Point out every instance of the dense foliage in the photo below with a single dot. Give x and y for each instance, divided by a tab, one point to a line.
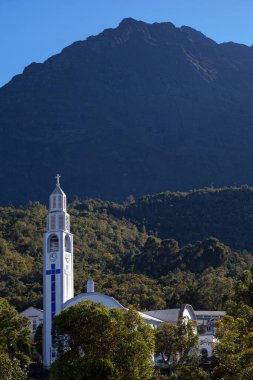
178	344
14	343
127	251
126	261
225	213
102	344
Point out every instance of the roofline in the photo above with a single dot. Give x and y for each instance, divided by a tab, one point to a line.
182	309
31	307
209	311
84	294
149	317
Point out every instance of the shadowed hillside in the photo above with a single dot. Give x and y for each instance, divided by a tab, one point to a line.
196	215
137	109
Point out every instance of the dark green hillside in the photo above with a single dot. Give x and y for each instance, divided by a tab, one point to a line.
102	243
196	215
126	262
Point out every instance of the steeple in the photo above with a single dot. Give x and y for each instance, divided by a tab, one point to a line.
58	266
57	200
58	219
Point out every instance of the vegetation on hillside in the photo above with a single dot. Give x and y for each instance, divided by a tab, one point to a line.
131	260
225	213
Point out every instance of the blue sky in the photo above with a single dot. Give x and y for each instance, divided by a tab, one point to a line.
33	30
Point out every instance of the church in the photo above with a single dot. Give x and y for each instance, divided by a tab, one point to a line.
58	286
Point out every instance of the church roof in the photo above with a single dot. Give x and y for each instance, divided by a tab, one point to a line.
172	315
95	297
58	189
32	311
210	313
148	317
168	315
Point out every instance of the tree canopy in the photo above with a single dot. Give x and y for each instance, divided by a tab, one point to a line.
14	342
94	342
125	261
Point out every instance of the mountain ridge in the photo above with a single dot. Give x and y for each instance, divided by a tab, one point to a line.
138	109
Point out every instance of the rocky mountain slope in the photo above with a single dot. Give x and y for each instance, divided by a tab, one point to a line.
137	109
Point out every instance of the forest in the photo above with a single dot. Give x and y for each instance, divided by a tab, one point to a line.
157	252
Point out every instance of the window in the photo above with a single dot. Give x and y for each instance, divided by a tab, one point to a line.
64	202
67	222
61	222
59	201
53	222
34	325
54	243
67	244
204	353
54	201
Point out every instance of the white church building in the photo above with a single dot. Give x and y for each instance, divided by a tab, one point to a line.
58	285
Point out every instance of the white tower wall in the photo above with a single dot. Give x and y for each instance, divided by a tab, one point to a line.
58	279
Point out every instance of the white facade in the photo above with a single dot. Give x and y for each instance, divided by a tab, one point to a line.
206	344
58	274
36	318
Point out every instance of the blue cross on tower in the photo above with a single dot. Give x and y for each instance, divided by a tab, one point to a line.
53	272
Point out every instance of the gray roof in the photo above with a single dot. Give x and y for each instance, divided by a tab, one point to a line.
58	190
210	313
149	317
172	315
168	315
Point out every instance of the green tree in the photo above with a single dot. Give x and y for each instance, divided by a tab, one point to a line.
234	350
96	343
177	344
14	333
14	343
10	369
213	289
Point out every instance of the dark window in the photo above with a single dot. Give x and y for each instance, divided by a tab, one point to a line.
54	243
67	244
204	353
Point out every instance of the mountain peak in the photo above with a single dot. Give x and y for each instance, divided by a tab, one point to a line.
136	109
129	21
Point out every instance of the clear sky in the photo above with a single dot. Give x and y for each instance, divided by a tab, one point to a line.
33	30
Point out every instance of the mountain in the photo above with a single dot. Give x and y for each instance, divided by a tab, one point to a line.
138	109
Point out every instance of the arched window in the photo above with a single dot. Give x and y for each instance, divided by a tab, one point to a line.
54	243
60	222
67	244
53	222
59	201
204	353
54	201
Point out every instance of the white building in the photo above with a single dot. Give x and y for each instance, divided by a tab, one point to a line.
36	318
206	320
58	284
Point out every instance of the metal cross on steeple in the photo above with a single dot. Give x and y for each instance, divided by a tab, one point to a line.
58	179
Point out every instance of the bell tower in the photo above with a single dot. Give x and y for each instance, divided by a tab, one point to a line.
58	276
